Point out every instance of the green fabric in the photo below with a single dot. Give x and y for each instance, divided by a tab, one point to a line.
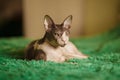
103	63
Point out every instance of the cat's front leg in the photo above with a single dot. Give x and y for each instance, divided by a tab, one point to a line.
80	54
77	56
74	52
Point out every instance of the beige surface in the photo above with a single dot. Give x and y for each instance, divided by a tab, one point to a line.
90	16
100	15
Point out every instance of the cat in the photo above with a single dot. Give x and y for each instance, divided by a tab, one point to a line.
55	45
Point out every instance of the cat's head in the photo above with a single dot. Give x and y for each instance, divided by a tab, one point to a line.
57	34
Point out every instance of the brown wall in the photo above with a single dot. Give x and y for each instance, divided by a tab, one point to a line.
34	11
100	15
90	16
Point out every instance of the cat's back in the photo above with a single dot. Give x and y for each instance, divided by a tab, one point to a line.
33	53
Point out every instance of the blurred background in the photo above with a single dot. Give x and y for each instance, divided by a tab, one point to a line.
24	18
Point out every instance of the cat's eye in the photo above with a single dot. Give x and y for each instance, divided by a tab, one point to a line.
56	34
67	33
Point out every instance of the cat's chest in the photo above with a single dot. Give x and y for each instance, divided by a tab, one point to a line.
56	54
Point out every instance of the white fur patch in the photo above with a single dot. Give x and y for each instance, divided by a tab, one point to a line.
60	54
65	38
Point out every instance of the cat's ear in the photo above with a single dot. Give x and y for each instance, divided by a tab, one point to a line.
48	22
67	22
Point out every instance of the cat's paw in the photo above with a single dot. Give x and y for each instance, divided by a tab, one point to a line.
83	56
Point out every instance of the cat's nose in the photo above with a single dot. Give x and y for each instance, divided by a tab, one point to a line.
63	40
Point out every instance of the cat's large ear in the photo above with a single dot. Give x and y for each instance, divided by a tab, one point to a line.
48	22
67	22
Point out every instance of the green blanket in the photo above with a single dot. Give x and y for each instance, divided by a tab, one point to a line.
103	63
